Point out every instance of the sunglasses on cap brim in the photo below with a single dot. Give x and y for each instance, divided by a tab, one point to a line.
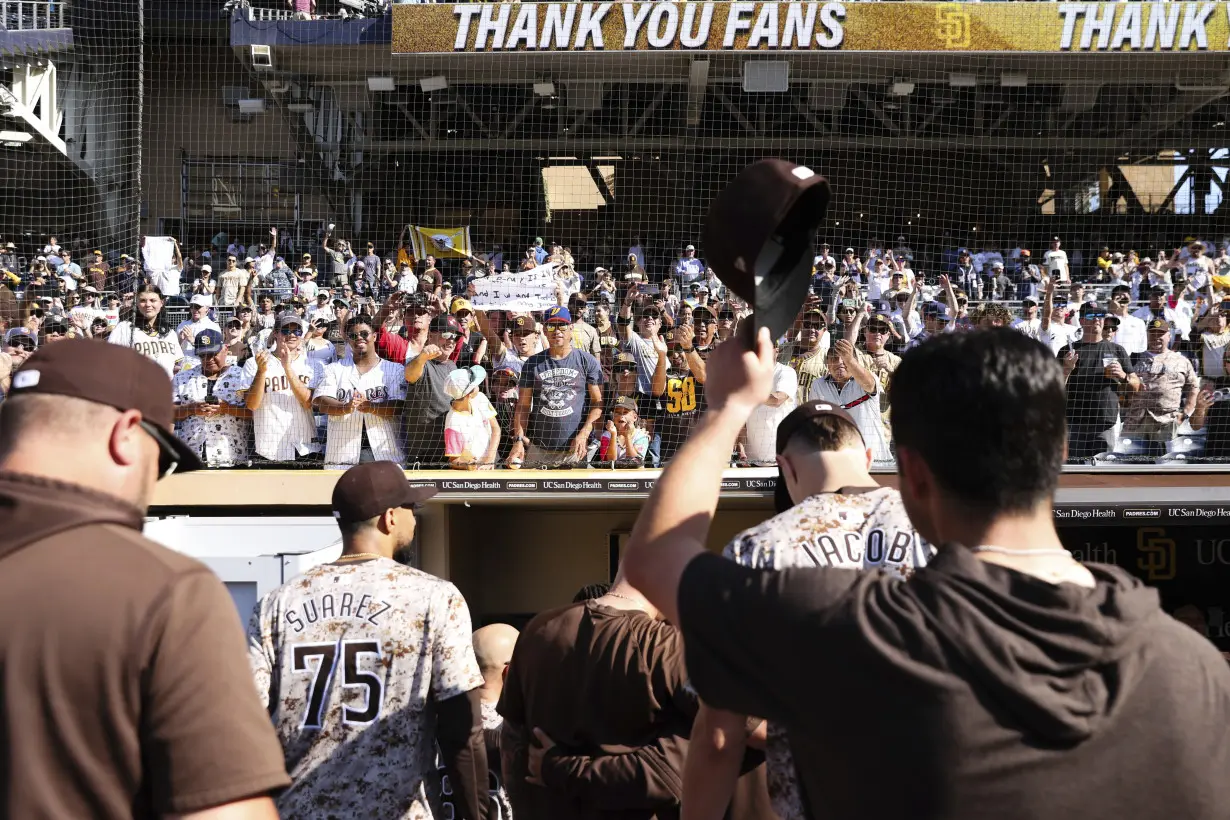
173	454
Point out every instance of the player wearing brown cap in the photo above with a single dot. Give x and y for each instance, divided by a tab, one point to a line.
831	513
365	664
125	691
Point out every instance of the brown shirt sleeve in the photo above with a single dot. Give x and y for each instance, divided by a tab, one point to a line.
753	637
206	740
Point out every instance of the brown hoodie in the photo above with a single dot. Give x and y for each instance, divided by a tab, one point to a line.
126	690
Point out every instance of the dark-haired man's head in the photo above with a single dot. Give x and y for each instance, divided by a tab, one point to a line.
590	592
819	449
998	388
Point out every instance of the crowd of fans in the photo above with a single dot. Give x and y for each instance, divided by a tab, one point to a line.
344	355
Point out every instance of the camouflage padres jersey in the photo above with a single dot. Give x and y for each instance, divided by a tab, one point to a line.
857	530
348	659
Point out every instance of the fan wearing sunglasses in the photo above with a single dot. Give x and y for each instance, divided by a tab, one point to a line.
19	343
362	395
317	343
278	390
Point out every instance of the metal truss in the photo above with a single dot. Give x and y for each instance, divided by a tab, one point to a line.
31	97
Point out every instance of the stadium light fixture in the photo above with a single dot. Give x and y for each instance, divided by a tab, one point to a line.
436	83
14	139
962	80
262	58
381	84
300	107
902	88
545	88
254	105
1018	79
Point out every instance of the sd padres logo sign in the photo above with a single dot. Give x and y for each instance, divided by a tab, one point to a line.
952	25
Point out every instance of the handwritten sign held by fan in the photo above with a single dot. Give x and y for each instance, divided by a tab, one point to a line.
529	290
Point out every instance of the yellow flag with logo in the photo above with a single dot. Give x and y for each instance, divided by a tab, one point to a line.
440	242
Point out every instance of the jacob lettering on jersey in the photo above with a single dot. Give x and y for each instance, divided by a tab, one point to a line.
859	526
865	530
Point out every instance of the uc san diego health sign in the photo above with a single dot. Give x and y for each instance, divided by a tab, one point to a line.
805	26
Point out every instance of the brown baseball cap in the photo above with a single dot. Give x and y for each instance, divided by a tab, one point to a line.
115	376
759	235
624	403
367	490
622	361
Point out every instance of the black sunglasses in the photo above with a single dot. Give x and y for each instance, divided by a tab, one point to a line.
24	344
167	462
292	331
359	334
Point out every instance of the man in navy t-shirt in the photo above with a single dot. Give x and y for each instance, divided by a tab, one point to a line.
561	399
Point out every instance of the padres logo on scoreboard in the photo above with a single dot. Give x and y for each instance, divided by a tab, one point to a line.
952	25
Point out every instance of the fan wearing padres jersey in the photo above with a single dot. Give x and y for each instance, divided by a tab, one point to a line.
278	390
149	332
683	396
362	395
210	416
831	513
366	665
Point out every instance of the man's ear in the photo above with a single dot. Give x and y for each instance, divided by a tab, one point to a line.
125	443
914	474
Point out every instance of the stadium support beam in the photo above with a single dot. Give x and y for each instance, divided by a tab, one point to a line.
876	111
806	114
698	82
1181	107
648	112
33	99
410	118
469	112
1092	150
735	112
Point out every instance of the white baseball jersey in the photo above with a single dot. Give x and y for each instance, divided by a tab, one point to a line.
283	428
383	383
851	530
863	407
164	349
349	658
220	441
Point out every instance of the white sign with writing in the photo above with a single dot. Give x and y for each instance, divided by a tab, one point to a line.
522	292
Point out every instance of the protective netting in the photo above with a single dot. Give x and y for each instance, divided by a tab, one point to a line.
401	166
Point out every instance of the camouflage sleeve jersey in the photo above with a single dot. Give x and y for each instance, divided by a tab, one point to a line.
348	659
866	531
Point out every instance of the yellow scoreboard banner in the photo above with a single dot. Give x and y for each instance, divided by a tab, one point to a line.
436	28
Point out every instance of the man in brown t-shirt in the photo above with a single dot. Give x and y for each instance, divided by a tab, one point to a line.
126	689
597	713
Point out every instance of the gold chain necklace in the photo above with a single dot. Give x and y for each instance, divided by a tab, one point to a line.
357	555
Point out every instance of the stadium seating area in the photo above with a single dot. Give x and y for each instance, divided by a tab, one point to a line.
428	362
